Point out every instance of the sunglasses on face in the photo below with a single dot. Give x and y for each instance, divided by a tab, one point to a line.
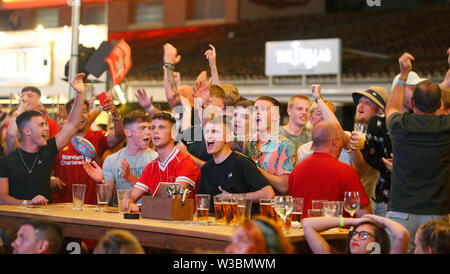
363	235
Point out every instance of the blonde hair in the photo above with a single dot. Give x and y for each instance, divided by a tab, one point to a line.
116	241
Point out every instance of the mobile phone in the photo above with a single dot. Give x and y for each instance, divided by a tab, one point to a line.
102	98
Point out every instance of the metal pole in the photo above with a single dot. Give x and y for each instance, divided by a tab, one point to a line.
73	68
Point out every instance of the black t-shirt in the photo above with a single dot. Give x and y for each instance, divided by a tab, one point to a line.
236	174
195	142
24	185
420	182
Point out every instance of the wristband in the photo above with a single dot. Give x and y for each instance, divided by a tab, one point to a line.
401	83
317	98
169	66
150	108
341	221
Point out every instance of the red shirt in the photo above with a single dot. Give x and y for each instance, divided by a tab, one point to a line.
53	127
323	177
178	167
69	168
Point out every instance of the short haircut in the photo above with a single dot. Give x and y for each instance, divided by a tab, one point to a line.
270	99
435	234
244	103
135	117
231	94
427	96
298	96
323	133
49	231
216	91
23	118
163	116
32	89
117	241
70	104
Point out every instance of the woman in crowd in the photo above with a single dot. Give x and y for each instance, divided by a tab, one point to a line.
259	235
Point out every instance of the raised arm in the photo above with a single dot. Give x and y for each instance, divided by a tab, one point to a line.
11	132
73	121
396	98
146	102
210	54
313	226
399	233
171	58
119	135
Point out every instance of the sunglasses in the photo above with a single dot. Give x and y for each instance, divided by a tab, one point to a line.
363	235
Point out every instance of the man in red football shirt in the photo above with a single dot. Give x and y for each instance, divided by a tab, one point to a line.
171	165
321	176
68	167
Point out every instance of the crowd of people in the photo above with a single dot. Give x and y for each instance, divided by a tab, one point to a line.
213	141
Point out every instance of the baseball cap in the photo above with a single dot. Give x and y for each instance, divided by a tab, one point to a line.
378	95
413	79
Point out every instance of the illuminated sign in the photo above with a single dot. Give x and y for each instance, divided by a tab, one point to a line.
26	65
303	57
25	4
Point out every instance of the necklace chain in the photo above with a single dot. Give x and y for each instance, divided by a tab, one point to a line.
29	170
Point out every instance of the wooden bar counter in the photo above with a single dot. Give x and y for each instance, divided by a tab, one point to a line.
176	236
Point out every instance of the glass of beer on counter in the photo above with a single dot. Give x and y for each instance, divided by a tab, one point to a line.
202	207
244	209
266	208
297	212
230	209
218	209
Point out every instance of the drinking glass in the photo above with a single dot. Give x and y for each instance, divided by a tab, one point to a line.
202	207
78	192
102	196
244	209
218	209
230	209
124	199
331	209
351	202
297	212
316	208
265	206
361	129
283	206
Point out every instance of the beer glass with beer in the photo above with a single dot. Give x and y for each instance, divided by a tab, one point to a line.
359	136
202	207
218	209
